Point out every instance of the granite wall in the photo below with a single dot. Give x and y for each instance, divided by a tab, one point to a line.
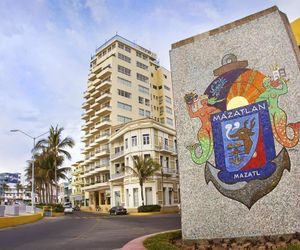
262	43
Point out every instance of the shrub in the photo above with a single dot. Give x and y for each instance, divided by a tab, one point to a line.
56	208
149	208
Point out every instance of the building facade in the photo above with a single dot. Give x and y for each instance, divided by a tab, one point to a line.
78	196
11	189
125	83
146	138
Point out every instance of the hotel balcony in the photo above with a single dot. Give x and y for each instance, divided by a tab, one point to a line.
95	105
91	88
104	123
168	171
84	127
85	105
100	168
103	97
84	116
103	110
89	122
96	82
102	138
92	76
88	187
86	94
166	148
89	111
97	69
106	71
117	155
103	85
116	176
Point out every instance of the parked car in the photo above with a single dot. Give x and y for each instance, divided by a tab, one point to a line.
117	210
68	210
67	204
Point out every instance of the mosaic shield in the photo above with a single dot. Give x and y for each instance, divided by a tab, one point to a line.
243	143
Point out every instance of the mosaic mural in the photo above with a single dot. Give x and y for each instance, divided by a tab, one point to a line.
240	117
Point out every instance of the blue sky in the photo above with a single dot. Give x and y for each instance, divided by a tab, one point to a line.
45	47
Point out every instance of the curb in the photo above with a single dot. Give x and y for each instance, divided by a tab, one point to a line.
19	220
138	243
150	213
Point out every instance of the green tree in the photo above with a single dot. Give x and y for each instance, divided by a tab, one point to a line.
56	146
19	187
143	169
4	188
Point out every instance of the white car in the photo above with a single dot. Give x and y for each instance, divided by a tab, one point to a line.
68	210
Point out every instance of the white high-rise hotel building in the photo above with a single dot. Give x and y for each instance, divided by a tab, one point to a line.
128	112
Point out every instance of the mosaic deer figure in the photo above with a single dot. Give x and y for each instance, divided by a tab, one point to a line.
244	134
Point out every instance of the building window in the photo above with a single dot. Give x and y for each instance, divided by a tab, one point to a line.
141	55
124	70
124	82
124	93
160	87
134	141
161	110
124	106
160	100
154	86
124	58
127	49
123	119
141	100
146	139
135	197
170	121
147	113
142	77
147	102
143	89
126	143
141	112
168	100
141	65
166	87
169	110
121	45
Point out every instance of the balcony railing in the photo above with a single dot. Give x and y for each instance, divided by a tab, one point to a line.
116	155
118	175
166	147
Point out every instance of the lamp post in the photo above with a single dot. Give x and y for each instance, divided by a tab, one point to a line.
32	172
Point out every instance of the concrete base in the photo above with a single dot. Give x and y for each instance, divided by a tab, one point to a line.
12	210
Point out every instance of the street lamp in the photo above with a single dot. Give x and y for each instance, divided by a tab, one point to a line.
32	173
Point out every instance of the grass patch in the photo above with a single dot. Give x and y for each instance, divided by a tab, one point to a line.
162	241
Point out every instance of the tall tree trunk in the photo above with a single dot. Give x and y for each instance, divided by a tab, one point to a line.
56	187
142	192
43	193
51	193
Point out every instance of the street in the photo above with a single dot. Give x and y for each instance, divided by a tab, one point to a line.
83	230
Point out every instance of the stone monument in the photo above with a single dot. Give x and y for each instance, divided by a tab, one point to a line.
238	118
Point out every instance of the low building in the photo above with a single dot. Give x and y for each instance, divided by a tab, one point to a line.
147	138
78	196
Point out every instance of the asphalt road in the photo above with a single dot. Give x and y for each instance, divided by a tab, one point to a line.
84	231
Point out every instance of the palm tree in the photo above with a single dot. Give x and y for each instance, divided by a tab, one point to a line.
19	187
4	187
143	168
55	146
